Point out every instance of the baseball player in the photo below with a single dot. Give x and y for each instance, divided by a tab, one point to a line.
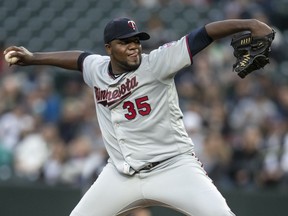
152	159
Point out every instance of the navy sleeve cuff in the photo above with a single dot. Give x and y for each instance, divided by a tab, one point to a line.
198	40
81	60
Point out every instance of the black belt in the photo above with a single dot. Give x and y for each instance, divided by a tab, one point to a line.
153	164
150	165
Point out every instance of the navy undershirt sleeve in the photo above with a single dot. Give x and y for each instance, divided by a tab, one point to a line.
81	60
198	40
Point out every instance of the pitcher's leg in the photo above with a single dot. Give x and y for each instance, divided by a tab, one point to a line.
183	185
109	194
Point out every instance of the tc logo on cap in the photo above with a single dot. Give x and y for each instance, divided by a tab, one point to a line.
120	28
132	24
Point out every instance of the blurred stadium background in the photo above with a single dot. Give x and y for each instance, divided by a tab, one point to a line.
50	143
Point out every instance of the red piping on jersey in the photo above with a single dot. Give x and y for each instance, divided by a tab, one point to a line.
189	51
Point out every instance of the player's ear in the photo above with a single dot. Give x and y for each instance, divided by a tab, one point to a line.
108	48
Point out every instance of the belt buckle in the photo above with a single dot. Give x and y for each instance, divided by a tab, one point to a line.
149	166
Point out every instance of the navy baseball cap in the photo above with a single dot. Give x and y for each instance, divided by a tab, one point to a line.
121	28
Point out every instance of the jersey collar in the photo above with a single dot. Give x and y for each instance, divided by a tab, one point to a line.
110	72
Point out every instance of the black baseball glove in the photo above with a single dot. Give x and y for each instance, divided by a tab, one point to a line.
252	53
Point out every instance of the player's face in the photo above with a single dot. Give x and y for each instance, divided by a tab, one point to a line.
125	54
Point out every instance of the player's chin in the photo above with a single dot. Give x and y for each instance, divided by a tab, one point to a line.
134	66
134	59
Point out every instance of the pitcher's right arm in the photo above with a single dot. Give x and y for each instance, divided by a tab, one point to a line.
63	59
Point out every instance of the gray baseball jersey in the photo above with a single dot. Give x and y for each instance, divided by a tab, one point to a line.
141	123
138	112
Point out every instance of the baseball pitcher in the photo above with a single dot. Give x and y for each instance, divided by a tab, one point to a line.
151	157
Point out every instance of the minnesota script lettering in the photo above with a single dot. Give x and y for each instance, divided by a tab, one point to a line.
110	97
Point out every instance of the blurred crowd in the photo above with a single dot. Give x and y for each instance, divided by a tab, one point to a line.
49	131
